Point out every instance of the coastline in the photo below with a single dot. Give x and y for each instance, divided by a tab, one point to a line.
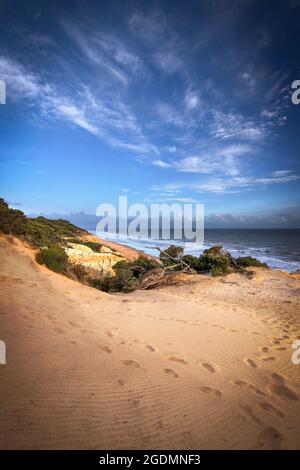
203	365
285	257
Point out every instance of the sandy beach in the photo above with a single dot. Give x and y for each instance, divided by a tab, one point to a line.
203	365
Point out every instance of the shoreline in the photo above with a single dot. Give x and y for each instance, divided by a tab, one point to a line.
286	265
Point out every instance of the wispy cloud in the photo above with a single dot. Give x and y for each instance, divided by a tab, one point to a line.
21	82
109	119
219	160
107	52
228	185
192	99
236	126
168	61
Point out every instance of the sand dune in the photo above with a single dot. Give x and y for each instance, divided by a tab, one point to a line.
203	365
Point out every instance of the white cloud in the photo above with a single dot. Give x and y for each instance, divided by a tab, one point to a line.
268	114
170	148
161	164
222	160
20	83
249	81
191	100
234	125
170	115
227	185
280	173
108	117
168	61
108	52
76	116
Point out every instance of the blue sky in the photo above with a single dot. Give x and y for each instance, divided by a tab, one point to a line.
163	101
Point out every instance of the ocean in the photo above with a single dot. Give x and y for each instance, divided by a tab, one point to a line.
279	248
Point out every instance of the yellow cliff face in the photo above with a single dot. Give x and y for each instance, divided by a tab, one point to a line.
101	263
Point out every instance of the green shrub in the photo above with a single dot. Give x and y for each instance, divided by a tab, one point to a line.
63	228
128	274
171	255
78	271
247	261
215	264
216	250
192	261
93	245
40	232
11	221
54	258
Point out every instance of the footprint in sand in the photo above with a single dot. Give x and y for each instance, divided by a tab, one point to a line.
58	330
270	438
218	326
105	349
271	409
132	363
281	348
121	382
279	388
174	358
248	413
243	384
264	349
150	348
171	372
251	363
207	366
267	358
210	390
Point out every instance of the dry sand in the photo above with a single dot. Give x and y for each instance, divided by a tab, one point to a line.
206	364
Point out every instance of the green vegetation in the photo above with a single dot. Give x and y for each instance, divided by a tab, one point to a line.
77	272
171	256
96	247
38	232
128	275
53	235
11	221
54	258
248	261
215	261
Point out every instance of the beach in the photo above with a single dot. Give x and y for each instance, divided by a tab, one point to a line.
205	364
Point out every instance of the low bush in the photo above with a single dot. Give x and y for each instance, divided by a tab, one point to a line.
192	261
249	261
54	258
39	231
128	275
77	271
216	265
92	245
171	256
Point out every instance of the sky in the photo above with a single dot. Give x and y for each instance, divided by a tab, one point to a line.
162	101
